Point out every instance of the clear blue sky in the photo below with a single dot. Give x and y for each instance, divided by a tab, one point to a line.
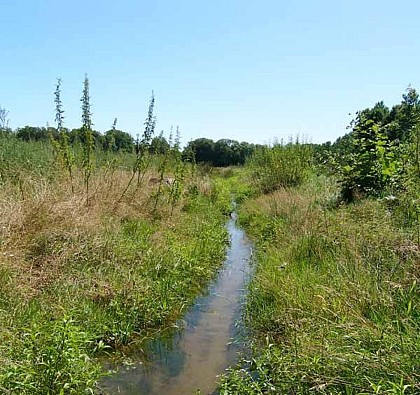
247	70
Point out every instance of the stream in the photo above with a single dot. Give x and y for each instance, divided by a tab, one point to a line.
189	359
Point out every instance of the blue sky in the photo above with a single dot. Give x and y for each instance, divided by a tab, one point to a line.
247	70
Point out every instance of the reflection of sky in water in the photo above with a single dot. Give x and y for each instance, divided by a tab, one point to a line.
182	360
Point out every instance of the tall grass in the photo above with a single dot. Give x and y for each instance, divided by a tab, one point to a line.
77	280
334	304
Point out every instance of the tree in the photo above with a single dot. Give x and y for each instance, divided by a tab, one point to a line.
203	150
371	166
117	140
403	117
159	145
32	133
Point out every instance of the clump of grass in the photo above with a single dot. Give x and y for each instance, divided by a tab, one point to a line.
334	301
49	358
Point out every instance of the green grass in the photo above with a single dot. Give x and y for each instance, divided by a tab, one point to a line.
77	280
334	303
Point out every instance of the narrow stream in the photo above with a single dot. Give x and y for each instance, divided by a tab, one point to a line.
188	360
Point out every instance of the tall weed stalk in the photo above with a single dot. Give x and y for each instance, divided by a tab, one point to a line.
61	146
142	161
89	143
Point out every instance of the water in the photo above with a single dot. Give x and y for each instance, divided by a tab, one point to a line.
205	344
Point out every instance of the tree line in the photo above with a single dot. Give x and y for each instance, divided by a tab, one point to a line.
224	152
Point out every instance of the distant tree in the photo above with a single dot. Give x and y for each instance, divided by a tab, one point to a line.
224	152
203	149
403	117
32	133
159	145
117	140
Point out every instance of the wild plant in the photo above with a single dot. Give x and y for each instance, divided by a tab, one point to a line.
161	171
176	186
111	138
61	146
4	120
52	360
89	144
142	161
281	165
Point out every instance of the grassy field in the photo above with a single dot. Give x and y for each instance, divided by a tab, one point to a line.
333	306
335	301
78	279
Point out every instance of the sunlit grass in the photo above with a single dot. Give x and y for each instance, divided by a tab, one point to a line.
77	280
334	303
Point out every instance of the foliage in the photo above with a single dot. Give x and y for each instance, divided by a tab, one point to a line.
159	145
223	152
117	140
374	157
33	133
280	166
103	268
51	358
21	160
373	166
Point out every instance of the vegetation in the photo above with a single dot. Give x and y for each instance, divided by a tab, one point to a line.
96	228
77	279
334	302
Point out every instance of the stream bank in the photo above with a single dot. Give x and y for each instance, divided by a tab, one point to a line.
202	345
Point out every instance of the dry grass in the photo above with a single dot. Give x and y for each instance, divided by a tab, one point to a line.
38	214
